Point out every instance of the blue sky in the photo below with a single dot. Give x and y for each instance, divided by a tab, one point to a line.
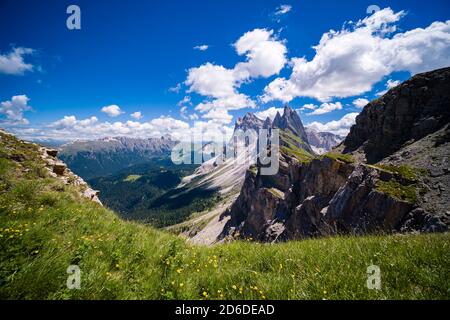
131	53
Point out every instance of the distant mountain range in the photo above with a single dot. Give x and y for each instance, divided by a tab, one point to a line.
102	157
322	142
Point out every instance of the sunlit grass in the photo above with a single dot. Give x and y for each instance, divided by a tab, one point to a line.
45	227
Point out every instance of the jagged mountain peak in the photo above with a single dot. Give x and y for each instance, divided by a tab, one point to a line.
267	123
249	121
290	121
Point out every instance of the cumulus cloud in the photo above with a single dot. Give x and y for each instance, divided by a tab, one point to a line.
72	122
360	102
326	108
350	61
265	56
211	80
71	128
309	106
202	47
340	127
269	113
137	115
13	63
13	110
112	110
219	115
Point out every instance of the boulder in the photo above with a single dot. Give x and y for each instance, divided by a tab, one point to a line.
51	152
59	168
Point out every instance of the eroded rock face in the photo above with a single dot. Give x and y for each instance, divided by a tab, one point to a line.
407	112
330	195
359	208
58	169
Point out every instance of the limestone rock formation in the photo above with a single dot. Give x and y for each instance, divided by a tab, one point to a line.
58	169
389	175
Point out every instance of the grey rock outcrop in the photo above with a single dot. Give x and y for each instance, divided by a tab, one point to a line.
58	169
407	113
389	175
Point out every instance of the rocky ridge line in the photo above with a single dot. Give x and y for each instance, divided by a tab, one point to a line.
393	164
58	169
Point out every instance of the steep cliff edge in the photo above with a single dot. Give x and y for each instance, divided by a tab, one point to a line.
30	156
389	175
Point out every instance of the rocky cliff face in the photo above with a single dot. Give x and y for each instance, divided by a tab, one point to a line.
405	114
381	179
46	159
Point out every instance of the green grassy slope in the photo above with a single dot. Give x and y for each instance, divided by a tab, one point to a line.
45	227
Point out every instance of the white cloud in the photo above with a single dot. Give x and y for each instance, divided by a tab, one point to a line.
360	102
309	106
112	110
211	80
233	102
202	47
137	115
13	63
175	89
183	112
340	127
218	115
350	61
88	122
283	9
326	108
66	122
70	128
392	83
14	110
72	122
265	57
193	116
186	101
269	113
